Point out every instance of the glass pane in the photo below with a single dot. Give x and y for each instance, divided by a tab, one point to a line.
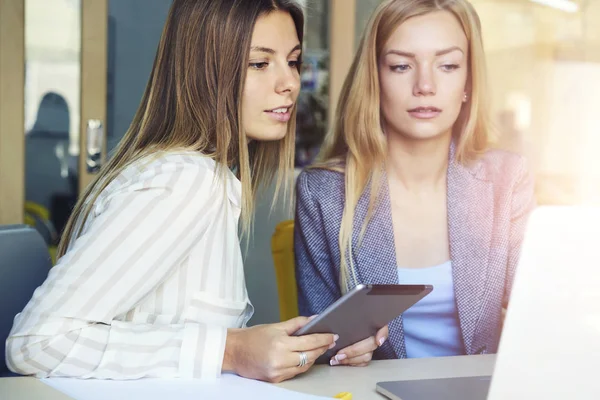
544	64
313	101
52	98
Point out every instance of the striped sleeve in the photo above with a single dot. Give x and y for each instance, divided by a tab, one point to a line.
141	236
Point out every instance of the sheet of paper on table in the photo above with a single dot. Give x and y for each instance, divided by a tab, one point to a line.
229	386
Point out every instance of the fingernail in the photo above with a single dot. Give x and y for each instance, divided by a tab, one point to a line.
333	362
336	337
313	317
332	345
381	341
340	357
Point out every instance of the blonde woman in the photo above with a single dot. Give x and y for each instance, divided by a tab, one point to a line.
408	190
150	281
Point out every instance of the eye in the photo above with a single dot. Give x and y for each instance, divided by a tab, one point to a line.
295	64
450	67
400	68
259	65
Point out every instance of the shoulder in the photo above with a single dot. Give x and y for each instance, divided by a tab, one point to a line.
320	183
502	167
167	170
173	174
163	169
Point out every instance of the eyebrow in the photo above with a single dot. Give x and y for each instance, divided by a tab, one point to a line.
271	51
437	53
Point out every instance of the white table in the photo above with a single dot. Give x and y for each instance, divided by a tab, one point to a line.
321	380
26	388
361	381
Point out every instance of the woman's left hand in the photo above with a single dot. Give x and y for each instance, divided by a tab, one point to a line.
360	354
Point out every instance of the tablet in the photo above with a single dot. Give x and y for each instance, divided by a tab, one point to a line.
361	312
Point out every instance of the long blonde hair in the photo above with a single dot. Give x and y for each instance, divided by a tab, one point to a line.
356	145
193	102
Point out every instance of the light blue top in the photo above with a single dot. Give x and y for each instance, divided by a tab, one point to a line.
431	327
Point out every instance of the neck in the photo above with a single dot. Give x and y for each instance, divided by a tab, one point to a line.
418	164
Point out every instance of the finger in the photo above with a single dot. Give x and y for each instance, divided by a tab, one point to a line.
311	342
364	346
292	359
292	325
360	365
285	369
282	375
291	372
382	335
362	359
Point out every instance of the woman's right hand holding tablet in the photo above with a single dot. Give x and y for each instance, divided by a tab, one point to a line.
269	352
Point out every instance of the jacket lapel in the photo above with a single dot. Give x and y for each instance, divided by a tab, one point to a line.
375	259
470	222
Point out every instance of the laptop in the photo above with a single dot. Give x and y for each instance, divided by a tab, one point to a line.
550	345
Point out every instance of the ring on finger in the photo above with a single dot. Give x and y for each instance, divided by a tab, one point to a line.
303	359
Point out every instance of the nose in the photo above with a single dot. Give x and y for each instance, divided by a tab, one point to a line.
288	80
425	82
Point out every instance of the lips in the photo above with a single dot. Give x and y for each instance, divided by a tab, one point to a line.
280	109
280	114
428	112
425	109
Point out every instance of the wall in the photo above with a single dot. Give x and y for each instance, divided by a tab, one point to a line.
364	9
134	31
12	79
260	271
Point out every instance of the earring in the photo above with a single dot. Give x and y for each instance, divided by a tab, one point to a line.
465	97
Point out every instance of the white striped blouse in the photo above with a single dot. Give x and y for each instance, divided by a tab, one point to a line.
150	286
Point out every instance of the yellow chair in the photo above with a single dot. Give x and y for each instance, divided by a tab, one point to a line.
282	248
37	214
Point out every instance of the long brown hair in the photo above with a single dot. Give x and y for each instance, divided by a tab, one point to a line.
357	146
193	102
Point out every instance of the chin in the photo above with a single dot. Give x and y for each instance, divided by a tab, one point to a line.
420	136
427	134
269	135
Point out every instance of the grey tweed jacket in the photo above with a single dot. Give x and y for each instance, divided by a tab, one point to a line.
488	205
